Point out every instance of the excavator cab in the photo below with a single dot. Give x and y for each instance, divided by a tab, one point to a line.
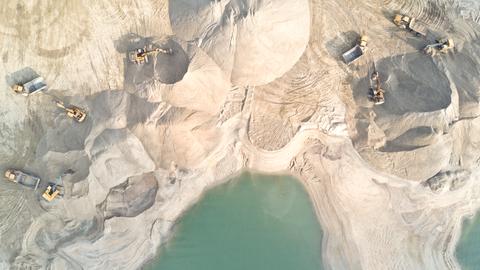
51	192
139	56
76	113
446	44
376	93
376	96
73	112
379	97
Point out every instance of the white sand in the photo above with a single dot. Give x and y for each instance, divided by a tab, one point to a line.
251	84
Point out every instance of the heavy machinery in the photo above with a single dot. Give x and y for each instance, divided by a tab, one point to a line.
440	46
358	50
22	178
52	191
140	56
376	93
34	86
405	22
73	111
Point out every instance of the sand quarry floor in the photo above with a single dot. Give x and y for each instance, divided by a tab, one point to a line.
250	84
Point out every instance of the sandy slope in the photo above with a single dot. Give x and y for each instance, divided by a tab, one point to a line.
251	84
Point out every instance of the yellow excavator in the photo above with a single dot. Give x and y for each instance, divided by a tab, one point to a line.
376	94
440	46
73	111
51	192
140	56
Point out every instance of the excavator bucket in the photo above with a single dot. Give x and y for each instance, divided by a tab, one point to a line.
165	51
60	104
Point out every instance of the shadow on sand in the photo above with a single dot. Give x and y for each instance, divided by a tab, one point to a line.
166	68
21	76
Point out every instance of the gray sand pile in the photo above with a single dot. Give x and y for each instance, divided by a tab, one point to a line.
250	84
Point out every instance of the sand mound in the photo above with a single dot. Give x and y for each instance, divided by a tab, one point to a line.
415	85
170	69
158	135
234	33
166	68
202	85
131	197
425	97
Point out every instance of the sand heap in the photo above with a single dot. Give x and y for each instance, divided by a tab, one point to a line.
253	41
249	85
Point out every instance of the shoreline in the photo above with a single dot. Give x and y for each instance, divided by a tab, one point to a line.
171	234
390	184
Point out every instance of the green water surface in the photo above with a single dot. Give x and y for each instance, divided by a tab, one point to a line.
468	248
252	222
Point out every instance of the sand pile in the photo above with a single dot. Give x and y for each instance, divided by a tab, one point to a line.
236	34
250	84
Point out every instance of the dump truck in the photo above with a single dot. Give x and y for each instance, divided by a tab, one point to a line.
376	93
22	178
78	114
34	86
140	56
411	24
358	50
440	46
53	190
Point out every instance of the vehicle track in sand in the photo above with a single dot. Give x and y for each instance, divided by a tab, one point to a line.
13	204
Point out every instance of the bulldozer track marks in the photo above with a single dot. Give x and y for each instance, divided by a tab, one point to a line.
9	215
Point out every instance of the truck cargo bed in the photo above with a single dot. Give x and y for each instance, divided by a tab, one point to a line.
27	180
352	54
34	86
418	27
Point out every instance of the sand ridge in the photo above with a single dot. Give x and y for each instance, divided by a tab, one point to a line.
250	85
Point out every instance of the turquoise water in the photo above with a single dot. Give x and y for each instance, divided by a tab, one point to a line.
468	248
252	222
